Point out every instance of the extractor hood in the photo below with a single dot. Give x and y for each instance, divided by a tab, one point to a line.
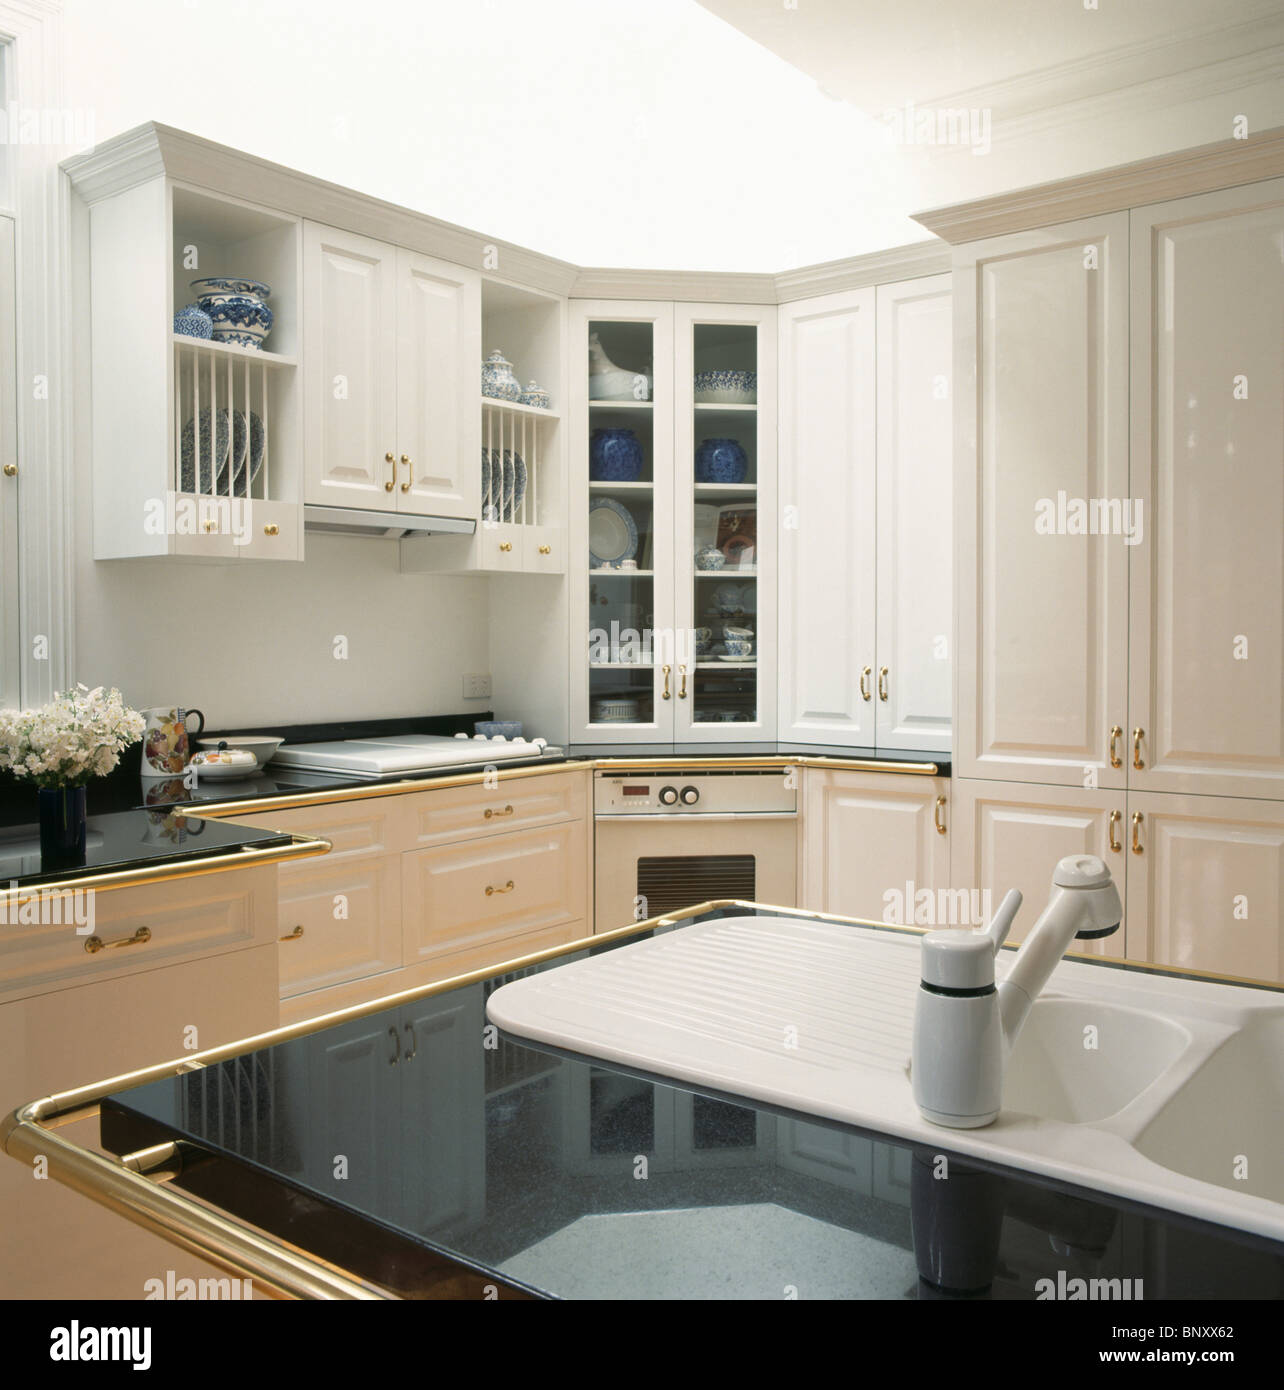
350	521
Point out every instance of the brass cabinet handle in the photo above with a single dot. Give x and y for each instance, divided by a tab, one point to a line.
1115	818
410	481
936	815
11	470
682	687
292	935
271	529
882	682
507	888
414	1042
396	1045
139	938
1116	732
505	546
1137	736
490	811
1136	830
546	550
665	693
392	459
211	526
864	676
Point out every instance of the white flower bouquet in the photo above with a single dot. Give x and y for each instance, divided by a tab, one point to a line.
77	736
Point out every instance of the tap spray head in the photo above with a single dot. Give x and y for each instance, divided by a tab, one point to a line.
1100	908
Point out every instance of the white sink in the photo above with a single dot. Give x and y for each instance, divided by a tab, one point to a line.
1179	1077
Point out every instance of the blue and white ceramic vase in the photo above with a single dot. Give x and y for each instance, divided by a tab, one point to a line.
240	319
498	380
720	461
615	456
62	826
193	322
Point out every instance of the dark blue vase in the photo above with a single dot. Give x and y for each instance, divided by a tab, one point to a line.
615	456
62	826
720	461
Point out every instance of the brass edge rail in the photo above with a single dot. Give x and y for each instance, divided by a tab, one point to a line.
275	1264
299	800
249	857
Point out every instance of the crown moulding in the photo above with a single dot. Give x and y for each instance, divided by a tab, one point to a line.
1203	169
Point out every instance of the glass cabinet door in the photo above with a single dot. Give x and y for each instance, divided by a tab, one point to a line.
724	367
622	559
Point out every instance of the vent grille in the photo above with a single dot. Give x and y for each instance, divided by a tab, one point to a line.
670	882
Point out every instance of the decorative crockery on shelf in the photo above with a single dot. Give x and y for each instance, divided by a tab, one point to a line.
216	442
709	557
607	382
79	735
703	639
615	456
240	319
165	745
613	533
536	396
219	287
498	380
193	322
726	388
720	461
738	646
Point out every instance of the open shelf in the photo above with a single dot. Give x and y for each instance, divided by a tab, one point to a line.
208	345
516	408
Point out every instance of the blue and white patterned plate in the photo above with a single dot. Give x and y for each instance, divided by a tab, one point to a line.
214	453
514	483
613	534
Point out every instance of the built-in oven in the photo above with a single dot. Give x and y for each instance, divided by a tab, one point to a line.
668	839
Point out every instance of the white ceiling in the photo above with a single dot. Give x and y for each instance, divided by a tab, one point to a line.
877	55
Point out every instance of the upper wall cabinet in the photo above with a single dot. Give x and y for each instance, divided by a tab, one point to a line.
196	443
393	350
1041	471
1206	704
865	497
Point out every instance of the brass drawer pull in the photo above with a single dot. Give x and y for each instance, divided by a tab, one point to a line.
410	481
1136	831
864	676
1137	736
1115	733
936	815
682	689
882	682
505	546
1115	818
211	526
11	470
507	888
392	459
271	529
546	550
664	694
490	812
139	938
292	935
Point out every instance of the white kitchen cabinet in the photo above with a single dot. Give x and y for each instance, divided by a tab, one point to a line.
10	646
828	568
1041	431
1206	890
915	516
393	342
873	842
1207	578
1011	836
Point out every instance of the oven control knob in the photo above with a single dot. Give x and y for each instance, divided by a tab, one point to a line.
690	795
668	796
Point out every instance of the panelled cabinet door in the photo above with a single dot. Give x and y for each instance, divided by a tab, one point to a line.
1207	578
1041	459
438	357
1008	836
350	361
873	842
827	525
1206	890
915	520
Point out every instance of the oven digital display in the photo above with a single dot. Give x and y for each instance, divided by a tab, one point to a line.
636	791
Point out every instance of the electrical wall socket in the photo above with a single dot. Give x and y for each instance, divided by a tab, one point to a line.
477	687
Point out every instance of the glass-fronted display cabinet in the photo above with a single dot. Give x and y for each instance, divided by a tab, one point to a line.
673	456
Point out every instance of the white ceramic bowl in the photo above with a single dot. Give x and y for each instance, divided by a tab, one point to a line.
263	746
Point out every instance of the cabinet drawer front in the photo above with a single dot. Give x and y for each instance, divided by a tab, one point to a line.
535	878
456	813
348	920
372	825
135	929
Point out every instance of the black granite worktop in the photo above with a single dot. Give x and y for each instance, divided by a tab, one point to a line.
476	1162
